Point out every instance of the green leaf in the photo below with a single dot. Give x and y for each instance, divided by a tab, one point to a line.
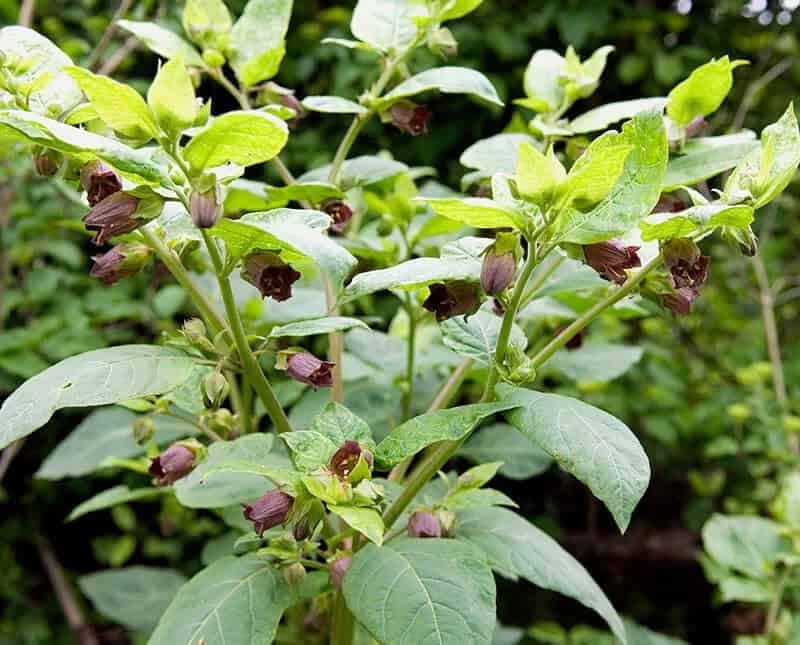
748	544
703	92
203	488
420	591
410	275
516	548
542	81
316	326
596	361
707	157
244	138
590	444
634	195
104	434
448	80
84	145
309	449
98	377
235	600
458	9
387	25
135	597
333	105
497	154
601	117
476	337
476	498
312	192
257	40
479	212
113	497
359	171
339	424
452	424
171	97
366	521
744	590
163	42
538	176
700	218
521	458
120	106
207	22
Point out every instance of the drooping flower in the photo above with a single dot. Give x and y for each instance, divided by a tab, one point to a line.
450	299
688	267
679	302
347	457
293	103
338	568
499	263
99	180
422	524
272	276
340	214
268	510
122	261
47	162
206	208
611	258
307	368
113	216
669	204
410	117
175	462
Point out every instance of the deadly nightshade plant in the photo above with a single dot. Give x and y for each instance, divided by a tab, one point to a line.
357	535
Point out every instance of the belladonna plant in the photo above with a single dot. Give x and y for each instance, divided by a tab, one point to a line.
350	538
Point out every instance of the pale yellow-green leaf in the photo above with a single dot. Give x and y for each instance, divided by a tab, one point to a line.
171	97
538	174
475	211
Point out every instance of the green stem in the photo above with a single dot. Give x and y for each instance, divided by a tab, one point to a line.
212	318
344	147
775	605
219	76
408	398
592	312
252	369
342	630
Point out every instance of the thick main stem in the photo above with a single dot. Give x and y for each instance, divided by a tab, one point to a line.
252	369
408	396
771	330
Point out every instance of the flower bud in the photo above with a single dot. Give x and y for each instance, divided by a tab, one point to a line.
215	389
450	299
47	162
337	570
611	258
340	214
120	262
99	180
422	524
268	510
680	301
669	204
113	216
410	117
292	102
744	239
214	58
206	208
447	520
171	465
143	430
499	264
442	42
271	275
294	573
696	126
687	266
195	332
309	369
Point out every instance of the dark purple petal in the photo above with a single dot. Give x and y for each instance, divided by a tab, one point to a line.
611	258
410	118
497	272
344	460
175	462
309	369
340	214
206	209
99	180
687	266
113	216
680	301
450	299
422	524
338	568
268	510
271	275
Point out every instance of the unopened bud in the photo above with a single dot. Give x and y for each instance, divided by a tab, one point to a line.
122	261
422	524
143	430
215	389
206	208
294	573
410	117
442	42
338	569
47	162
171	465
268	510
214	58
499	263
307	368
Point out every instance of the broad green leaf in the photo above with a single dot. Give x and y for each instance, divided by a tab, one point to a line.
52	90
312	192
497	154
98	377
244	138
633	196
332	104
571	275
516	548
707	157
479	212
257	40
388	354
703	92
538	175
120	106
476	336
595	361
106	433
521	458
448	80
412	274
739	589
477	498
163	41
700	218
339	424
309	449
639	635
364	520
358	171
171	97
350	44
112	497
387	25
205	489
601	117
235	600
766	172
442	425
84	145
316	326
422	592
542	81
590	444
454	9
207	22
135	597
748	544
